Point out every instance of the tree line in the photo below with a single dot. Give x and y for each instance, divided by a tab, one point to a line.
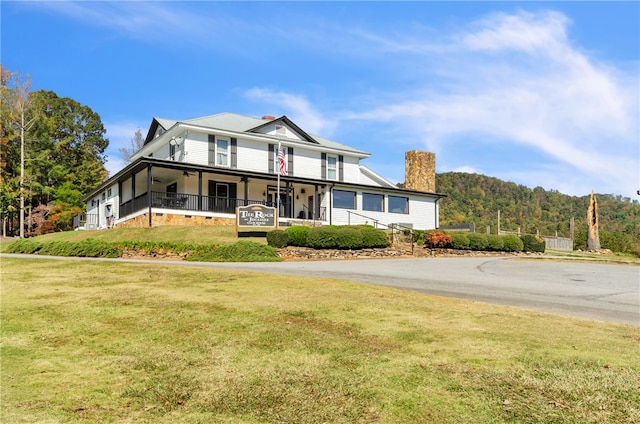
477	198
51	154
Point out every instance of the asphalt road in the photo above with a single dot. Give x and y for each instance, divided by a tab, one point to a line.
601	292
595	291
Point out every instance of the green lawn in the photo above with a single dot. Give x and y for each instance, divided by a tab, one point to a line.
91	341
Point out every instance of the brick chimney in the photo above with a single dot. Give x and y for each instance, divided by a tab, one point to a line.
420	171
268	117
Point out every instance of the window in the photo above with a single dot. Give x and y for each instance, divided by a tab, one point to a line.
373	202
109	192
344	199
222	152
398	204
172	151
332	168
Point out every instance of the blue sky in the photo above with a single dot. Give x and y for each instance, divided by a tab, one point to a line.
538	93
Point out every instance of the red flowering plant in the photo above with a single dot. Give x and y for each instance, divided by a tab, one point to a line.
437	239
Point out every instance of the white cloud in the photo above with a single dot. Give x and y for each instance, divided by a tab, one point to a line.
517	79
297	107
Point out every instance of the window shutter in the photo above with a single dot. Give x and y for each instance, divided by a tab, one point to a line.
323	169
290	161
271	158
234	152
341	168
212	150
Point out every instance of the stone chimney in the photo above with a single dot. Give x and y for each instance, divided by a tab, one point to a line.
420	171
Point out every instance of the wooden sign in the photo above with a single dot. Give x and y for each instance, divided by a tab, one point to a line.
256	218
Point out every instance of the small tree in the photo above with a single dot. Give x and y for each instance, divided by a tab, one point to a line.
136	144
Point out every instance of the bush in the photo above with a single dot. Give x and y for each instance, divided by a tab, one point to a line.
372	237
532	243
85	248
24	246
349	238
437	239
494	242
241	251
512	243
459	241
478	241
277	238
298	235
325	237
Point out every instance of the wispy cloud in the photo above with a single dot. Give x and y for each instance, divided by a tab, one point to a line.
518	79
297	106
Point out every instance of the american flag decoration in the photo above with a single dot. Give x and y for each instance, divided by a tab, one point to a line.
282	161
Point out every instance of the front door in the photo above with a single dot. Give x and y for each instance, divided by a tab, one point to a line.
222	197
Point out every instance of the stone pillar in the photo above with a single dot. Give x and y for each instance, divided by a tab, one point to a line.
593	232
420	171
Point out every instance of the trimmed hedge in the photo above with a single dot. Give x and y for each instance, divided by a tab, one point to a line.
459	241
478	241
277	238
533	243
325	237
512	243
372	237
494	242
298	235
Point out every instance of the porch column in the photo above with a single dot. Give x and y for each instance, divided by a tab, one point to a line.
290	199
149	191
316	203
246	190
199	190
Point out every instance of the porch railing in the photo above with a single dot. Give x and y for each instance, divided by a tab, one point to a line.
85	220
186	202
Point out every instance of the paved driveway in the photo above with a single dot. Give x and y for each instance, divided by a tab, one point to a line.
589	290
581	289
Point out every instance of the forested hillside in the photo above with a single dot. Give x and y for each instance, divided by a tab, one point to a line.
477	198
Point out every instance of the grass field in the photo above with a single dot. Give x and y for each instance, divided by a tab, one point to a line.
91	341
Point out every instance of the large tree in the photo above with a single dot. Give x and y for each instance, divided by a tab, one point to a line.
63	155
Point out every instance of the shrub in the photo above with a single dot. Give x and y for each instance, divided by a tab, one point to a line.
459	241
24	246
494	242
241	251
478	241
298	235
277	238
86	248
533	243
372	237
325	237
349	238
512	243
437	239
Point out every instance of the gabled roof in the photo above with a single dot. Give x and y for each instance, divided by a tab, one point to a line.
245	124
284	120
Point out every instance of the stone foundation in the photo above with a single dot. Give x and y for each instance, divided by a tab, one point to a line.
160	219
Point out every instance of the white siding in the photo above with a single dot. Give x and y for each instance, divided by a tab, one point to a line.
422	213
253	155
306	163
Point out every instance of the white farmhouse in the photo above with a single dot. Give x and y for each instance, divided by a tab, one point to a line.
197	171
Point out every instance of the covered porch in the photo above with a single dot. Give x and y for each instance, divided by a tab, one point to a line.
158	186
